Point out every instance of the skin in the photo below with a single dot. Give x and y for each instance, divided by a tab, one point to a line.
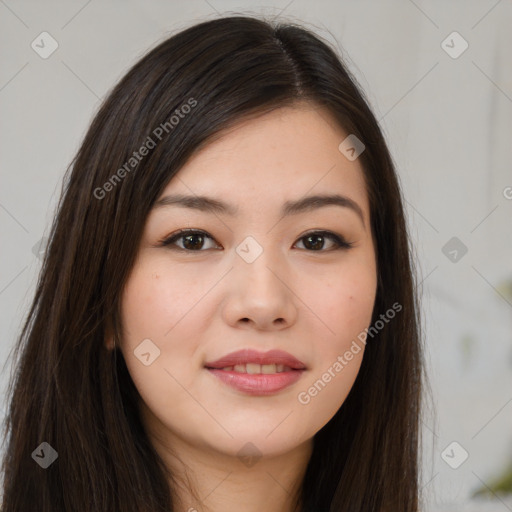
197	306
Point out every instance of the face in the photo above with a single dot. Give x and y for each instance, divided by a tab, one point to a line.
253	275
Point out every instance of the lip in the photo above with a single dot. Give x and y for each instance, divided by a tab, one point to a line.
257	384
253	356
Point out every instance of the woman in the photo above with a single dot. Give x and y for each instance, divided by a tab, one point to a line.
226	315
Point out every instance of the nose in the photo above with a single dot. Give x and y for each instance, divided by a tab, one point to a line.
260	294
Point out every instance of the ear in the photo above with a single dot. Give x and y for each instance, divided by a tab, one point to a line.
109	337
109	343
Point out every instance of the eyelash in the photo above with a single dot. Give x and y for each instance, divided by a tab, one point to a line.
342	244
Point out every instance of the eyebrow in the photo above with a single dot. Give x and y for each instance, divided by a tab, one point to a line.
306	204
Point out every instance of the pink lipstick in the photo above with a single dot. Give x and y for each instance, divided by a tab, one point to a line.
257	373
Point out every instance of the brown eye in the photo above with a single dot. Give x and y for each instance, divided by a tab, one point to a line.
316	241
192	240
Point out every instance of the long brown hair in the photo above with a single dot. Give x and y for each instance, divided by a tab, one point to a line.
73	393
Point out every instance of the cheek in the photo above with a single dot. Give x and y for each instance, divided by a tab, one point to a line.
158	305
158	298
344	302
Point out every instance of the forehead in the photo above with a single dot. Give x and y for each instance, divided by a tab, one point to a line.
285	154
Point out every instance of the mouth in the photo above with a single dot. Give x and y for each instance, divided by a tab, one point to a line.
257	374
256	369
253	361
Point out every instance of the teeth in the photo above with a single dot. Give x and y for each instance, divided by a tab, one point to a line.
253	368
268	368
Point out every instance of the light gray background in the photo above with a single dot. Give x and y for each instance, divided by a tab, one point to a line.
448	122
